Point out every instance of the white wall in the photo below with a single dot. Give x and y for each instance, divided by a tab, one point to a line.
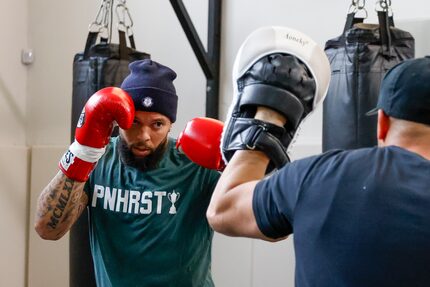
58	30
14	155
48	263
14	215
13	75
35	105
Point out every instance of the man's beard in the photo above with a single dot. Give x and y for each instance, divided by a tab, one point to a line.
143	163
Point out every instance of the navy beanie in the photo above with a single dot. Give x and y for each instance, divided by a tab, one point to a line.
150	84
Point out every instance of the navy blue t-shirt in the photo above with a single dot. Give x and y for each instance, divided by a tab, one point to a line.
359	218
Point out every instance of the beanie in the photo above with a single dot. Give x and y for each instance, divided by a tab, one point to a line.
150	85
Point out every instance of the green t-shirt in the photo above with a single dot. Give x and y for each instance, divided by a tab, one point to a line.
150	228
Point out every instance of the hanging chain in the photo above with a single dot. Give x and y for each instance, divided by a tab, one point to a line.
357	6
384	5
103	21
125	22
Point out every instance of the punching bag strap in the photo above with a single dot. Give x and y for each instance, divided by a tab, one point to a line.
91	41
349	23
123	54
351	19
385	18
132	43
391	20
385	32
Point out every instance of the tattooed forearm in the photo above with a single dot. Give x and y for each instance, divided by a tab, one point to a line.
60	204
72	213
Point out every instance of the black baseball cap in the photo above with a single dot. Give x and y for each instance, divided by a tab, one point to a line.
405	91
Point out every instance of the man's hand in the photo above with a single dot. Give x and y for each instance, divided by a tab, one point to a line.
102	110
270	116
200	141
280	75
63	199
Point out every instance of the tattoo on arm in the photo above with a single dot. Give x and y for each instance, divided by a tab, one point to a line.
61	203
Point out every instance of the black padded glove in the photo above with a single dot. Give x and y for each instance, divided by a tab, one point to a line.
277	81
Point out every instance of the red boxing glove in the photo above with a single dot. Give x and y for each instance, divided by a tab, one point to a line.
200	142
94	129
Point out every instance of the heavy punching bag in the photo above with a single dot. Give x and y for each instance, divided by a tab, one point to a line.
359	59
100	65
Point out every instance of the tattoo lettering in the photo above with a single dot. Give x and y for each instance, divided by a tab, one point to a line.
58	210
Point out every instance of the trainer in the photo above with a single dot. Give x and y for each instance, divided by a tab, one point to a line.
359	217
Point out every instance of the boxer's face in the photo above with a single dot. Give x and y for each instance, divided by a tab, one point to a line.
144	143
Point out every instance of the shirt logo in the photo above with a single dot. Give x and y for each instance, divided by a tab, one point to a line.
134	201
173	197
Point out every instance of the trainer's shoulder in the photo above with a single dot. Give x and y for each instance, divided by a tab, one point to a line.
348	153
337	157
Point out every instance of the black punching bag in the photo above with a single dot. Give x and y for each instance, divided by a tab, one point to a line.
100	65
359	59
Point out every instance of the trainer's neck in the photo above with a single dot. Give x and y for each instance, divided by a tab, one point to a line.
419	145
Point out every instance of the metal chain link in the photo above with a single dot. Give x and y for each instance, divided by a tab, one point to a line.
125	22
383	5
360	4
357	6
103	21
